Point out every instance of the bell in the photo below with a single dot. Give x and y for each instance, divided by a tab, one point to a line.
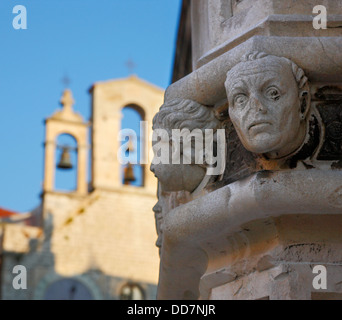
130	147
65	162
129	174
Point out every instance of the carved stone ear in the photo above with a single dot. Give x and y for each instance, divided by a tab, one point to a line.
305	101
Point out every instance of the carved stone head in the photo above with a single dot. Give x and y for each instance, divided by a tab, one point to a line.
268	99
181	114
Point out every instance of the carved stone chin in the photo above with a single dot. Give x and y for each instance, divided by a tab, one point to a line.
178	177
268	100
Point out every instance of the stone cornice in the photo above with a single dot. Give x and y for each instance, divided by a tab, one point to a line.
211	219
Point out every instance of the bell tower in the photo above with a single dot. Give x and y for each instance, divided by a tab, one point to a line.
109	101
66	121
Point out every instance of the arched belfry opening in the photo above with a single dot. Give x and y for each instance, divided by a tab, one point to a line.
66	149
132	168
66	163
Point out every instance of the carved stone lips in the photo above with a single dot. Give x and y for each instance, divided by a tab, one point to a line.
259	123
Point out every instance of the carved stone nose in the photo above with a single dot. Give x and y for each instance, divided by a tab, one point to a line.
157	208
262	108
258	105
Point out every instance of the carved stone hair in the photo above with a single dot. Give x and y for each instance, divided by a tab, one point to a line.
183	113
298	73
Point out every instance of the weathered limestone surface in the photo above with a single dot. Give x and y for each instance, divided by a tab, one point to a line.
261	222
258	230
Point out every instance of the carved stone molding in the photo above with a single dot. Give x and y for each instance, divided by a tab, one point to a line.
211	227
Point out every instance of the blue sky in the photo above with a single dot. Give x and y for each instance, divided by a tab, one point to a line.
88	40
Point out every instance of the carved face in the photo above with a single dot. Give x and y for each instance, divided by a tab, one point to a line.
264	106
177	177
158	210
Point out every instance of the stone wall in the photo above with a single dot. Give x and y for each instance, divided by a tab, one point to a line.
101	246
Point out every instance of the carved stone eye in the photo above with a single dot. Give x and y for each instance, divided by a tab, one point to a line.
240	100
273	93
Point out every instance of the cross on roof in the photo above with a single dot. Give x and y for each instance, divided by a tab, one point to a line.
130	65
66	81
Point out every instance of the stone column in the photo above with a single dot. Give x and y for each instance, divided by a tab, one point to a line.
49	169
82	165
270	226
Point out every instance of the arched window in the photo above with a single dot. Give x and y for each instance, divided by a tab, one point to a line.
133	172
66	163
132	291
